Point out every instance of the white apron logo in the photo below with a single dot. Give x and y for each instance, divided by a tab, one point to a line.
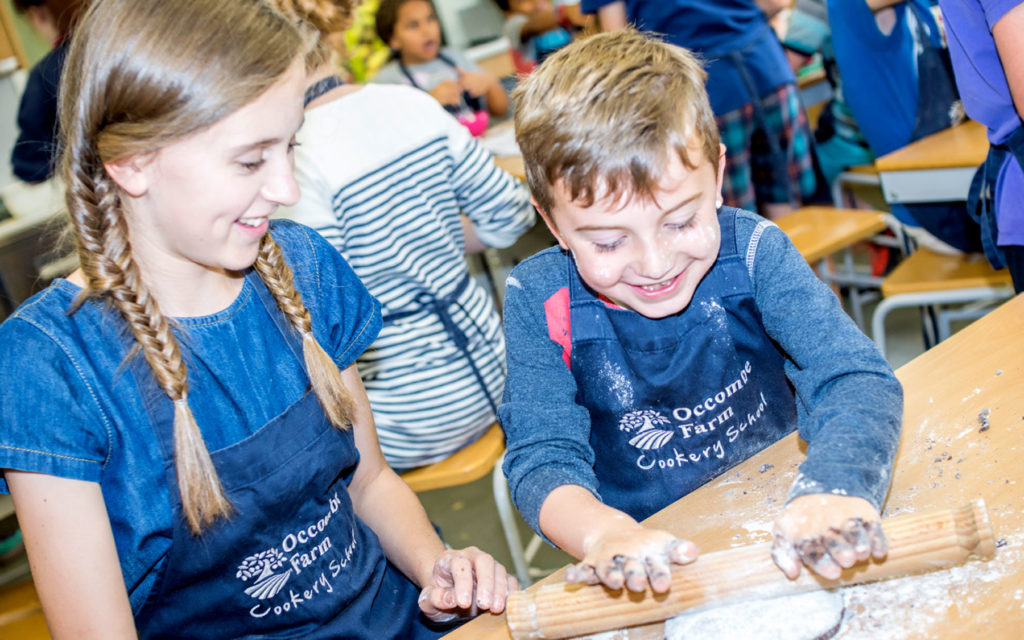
304	549
262	566
644	424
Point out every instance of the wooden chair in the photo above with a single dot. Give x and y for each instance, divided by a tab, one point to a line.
468	465
934	280
21	615
821	232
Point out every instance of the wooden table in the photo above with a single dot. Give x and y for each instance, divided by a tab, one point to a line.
945	459
936	168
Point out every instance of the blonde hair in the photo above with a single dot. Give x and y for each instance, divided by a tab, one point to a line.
142	74
601	114
319	20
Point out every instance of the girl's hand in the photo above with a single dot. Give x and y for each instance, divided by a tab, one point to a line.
465	582
828	533
476	84
448	93
632	559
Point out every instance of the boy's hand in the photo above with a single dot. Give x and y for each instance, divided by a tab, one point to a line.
828	533
447	93
632	559
475	84
465	582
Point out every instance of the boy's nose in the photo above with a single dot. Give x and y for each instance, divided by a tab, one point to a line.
654	262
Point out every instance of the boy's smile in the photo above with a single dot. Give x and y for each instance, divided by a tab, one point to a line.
647	255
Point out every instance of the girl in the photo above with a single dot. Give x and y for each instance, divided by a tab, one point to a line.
172	471
411	29
403	205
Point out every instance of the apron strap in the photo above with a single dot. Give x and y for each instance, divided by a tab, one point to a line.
428	302
471	103
982	194
779	161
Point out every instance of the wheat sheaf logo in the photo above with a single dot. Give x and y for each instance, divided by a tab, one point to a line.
263	567
644	424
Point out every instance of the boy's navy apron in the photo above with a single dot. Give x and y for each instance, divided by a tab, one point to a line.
293	561
677	401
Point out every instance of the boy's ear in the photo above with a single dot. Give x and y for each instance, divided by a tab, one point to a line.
721	170
131	174
550	224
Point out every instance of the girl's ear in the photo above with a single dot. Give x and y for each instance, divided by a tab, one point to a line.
131	174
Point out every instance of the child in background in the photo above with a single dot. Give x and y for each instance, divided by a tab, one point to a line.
187	444
753	92
404	204
838	141
537	29
411	29
32	158
899	85
667	337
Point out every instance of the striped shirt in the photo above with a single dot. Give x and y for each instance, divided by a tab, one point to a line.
385	175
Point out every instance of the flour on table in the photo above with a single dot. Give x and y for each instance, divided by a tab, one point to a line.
805	616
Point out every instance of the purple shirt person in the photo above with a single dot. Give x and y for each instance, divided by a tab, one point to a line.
988	60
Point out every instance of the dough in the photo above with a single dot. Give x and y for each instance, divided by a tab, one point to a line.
807	616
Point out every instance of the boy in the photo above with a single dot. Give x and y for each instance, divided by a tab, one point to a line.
667	338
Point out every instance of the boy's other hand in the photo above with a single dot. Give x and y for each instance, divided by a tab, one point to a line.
632	559
447	93
827	533
465	582
475	84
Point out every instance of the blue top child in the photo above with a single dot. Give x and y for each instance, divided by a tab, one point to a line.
668	338
186	438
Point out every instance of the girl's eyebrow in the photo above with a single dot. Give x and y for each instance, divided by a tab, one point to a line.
266	142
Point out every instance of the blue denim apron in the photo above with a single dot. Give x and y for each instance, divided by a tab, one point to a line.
293	561
779	158
676	401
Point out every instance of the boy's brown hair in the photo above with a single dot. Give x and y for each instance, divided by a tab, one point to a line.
601	114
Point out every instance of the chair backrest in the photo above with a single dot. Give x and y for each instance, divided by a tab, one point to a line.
462	467
21	615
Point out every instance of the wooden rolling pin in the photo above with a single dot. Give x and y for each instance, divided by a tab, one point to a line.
917	543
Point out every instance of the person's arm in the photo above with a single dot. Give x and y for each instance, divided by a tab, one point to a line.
613	548
772	7
73	558
1006	34
496	205
538	22
449	578
613	16
849	407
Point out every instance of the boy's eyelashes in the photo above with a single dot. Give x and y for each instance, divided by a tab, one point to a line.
602	245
